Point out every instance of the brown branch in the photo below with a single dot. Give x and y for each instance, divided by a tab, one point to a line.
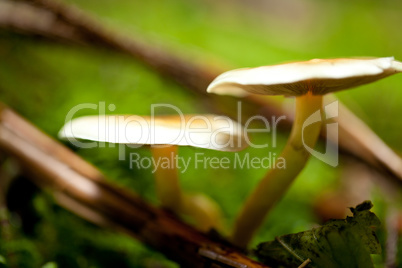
84	29
79	187
355	138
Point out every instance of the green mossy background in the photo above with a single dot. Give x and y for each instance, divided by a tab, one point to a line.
44	80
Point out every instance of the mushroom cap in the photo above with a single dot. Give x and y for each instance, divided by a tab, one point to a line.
204	131
318	76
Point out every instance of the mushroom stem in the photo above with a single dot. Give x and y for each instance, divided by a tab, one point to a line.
276	182
166	178
203	211
200	209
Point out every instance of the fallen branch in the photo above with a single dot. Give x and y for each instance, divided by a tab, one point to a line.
69	23
79	187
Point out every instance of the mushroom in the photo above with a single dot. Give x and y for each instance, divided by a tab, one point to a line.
165	134
307	81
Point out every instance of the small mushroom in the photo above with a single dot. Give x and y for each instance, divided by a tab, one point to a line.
164	134
307	81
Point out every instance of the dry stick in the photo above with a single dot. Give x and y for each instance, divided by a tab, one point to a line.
357	139
81	188
71	24
28	19
89	31
80	28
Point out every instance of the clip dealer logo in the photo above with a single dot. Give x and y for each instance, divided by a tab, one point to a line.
330	156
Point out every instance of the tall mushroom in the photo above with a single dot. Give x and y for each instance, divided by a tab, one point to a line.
164	134
307	81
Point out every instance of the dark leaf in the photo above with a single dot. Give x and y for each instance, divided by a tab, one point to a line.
344	243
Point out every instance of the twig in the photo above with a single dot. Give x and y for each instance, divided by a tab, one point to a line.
78	186
305	263
89	31
71	24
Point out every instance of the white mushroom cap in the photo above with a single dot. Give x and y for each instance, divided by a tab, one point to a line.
204	131
294	79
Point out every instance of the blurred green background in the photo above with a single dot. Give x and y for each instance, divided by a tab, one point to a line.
43	80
